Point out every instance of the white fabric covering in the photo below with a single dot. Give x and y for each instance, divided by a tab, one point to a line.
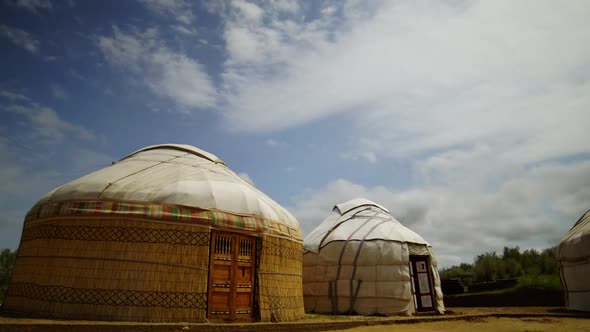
174	174
361	246
573	256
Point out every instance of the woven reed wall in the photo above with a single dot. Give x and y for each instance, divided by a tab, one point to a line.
280	280
95	268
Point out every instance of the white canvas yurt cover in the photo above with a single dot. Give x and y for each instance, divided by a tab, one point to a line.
176	174
361	260
573	256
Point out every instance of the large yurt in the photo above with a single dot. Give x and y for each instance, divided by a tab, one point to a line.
168	233
573	257
361	260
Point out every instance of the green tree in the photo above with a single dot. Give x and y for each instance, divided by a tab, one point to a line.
511	259
511	253
7	259
487	266
512	268
463	271
549	264
533	268
531	262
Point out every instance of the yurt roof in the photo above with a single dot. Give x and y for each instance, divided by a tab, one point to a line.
174	174
182	147
576	243
356	220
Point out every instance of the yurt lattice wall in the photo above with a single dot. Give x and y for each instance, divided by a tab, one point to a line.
87	253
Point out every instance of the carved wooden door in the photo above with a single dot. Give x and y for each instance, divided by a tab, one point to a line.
231	277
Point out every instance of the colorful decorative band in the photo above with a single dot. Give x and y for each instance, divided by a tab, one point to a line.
107	297
160	212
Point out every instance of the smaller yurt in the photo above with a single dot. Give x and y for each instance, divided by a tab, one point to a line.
573	257
361	260
167	234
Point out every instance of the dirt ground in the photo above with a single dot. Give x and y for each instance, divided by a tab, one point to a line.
482	319
520	319
492	324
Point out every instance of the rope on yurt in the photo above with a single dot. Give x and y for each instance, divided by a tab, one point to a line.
139	171
334	293
340	223
564	284
353	296
579	222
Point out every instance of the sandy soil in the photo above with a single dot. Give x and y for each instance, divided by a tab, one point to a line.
542	324
482	319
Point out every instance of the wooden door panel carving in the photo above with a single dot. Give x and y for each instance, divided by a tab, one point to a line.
231	277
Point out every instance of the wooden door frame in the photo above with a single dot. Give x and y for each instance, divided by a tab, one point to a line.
415	287
234	266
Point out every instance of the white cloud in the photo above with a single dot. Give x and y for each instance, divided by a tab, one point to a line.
12	96
182	79
185	30
271	142
180	10
20	38
31	5
361	155
248	10
128	49
243	44
532	209
87	160
467	201
17	173
284	6
263	39
59	92
25	177
167	73
420	77
246	177
45	123
29	172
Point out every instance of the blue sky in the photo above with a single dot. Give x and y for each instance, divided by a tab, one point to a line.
468	120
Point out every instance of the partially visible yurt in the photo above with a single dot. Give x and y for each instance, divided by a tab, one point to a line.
168	233
361	260
573	257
